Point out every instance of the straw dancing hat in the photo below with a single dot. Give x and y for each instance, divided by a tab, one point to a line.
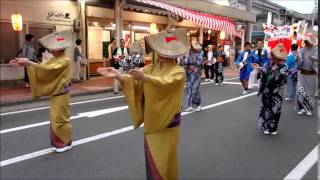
310	38
168	43
196	45
55	41
279	51
136	48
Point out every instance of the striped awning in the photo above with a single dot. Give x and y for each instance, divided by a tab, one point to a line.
205	20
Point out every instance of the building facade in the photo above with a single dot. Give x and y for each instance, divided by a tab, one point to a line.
96	22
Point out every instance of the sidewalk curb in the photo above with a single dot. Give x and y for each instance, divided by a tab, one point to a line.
41	99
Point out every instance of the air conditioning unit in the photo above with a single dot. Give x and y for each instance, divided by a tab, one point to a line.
77	25
283	11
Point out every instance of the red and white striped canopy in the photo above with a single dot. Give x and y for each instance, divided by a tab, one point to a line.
202	19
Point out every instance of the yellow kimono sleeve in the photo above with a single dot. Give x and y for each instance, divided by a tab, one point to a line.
155	101
49	78
133	91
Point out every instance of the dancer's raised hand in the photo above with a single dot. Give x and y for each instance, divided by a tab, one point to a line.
109	72
19	62
137	74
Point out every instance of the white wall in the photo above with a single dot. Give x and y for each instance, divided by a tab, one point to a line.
35	12
95	42
8	72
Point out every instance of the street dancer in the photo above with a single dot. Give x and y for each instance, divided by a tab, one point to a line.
154	94
307	79
52	78
271	90
192	64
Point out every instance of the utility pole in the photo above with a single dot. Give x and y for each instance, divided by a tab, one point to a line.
249	24
313	12
119	20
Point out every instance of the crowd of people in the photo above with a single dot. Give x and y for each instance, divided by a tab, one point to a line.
274	70
154	92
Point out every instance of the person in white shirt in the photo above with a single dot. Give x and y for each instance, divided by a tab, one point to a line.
209	63
77	57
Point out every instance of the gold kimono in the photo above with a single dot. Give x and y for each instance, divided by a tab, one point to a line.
52	78
157	103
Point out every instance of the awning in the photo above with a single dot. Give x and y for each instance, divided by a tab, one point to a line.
205	20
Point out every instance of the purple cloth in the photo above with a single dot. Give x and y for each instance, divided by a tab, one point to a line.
176	121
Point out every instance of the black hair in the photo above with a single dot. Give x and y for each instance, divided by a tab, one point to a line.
29	37
112	39
78	41
219	46
294	47
259	41
247	43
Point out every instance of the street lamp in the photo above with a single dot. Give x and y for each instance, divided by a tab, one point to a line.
222	35
16	20
153	28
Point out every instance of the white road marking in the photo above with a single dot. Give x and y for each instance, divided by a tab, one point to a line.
304	166
232	83
75	143
76	103
47	107
80	115
104	135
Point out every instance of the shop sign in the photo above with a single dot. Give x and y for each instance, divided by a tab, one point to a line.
175	18
59	16
226	42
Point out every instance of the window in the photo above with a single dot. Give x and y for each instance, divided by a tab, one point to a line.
39	32
9	39
9	42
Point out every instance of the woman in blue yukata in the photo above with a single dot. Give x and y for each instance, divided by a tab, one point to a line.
273	79
192	64
307	78
244	62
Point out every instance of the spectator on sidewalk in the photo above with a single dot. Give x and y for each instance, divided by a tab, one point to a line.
232	54
192	63
221	58
52	78
137	54
292	78
111	48
244	65
40	53
77	58
119	54
209	62
154	94
27	51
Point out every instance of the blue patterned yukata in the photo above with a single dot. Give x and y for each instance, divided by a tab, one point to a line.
273	79
192	64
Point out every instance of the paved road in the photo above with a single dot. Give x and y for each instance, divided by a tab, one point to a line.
220	142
